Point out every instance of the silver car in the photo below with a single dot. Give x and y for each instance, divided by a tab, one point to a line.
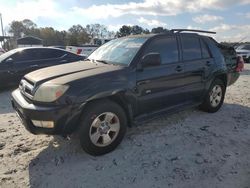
244	51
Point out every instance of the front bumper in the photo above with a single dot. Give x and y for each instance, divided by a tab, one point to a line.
65	117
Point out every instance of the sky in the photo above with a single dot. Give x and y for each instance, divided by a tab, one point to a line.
229	18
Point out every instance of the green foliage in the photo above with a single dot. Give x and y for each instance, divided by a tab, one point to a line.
126	30
76	35
159	30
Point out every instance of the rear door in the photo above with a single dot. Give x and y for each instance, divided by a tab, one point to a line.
160	86
198	65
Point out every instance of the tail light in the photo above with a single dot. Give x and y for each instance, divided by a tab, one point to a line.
240	64
79	51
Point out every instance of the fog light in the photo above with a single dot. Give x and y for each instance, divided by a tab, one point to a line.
43	124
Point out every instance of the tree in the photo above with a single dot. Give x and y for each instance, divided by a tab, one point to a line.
28	24
159	30
16	29
97	31
77	35
136	30
48	36
124	31
146	31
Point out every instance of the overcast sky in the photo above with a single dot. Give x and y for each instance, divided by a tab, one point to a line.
230	18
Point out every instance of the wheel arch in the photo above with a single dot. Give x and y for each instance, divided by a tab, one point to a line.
117	96
222	77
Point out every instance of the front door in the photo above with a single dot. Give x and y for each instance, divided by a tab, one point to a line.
161	86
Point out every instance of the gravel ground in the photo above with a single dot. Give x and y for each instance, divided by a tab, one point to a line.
187	149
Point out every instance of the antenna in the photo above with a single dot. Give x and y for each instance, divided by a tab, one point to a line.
191	30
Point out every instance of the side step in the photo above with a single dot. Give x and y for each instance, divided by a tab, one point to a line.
167	111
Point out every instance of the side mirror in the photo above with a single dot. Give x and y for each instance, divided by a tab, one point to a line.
151	59
9	60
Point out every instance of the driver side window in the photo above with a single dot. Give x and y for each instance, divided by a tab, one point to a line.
166	47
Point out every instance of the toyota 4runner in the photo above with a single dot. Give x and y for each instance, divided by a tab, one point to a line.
125	81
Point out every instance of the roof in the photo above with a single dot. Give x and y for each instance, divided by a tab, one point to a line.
29	40
4	37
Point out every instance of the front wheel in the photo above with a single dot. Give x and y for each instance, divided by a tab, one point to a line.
215	97
103	127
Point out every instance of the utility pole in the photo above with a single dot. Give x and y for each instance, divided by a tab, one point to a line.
2	27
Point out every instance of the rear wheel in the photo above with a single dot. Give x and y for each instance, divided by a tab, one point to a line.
215	97
103	127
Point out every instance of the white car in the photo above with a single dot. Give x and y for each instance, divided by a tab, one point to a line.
244	51
1	51
84	50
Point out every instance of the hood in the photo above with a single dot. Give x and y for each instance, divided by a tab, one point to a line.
68	72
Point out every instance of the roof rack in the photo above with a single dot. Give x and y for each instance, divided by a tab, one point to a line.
191	30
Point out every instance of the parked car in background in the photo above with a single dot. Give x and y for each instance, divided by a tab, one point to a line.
84	50
244	51
1	51
16	63
126	80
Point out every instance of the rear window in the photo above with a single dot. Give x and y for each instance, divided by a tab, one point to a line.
191	48
51	53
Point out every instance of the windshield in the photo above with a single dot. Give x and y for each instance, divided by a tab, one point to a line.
118	51
7	54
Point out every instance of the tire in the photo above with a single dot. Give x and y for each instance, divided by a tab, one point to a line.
103	126
214	97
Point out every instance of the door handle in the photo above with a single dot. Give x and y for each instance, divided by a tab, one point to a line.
143	82
208	63
11	72
33	66
178	68
63	61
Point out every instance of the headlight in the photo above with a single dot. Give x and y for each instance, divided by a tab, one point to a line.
49	92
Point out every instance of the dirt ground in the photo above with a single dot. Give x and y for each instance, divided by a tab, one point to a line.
187	149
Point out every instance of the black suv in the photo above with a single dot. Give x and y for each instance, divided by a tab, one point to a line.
16	63
124	81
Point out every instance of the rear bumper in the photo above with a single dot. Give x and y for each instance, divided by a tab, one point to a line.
65	117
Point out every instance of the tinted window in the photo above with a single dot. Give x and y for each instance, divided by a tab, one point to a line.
204	50
51	53
167	47
191	48
7	55
25	55
71	55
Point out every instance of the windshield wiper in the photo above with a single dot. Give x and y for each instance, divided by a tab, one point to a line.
101	61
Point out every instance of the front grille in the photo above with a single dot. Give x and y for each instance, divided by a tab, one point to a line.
27	88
